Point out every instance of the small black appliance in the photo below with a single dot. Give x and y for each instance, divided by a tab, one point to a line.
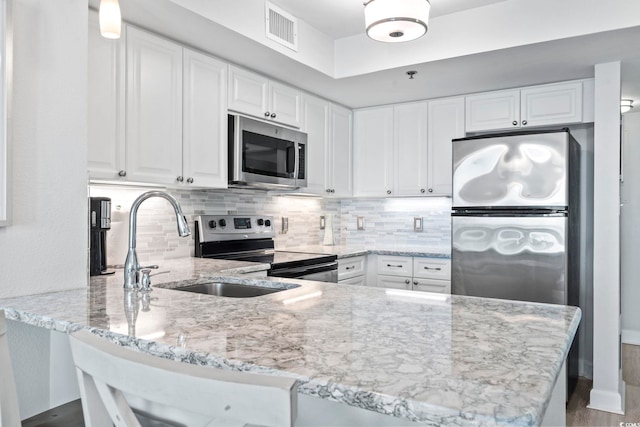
99	224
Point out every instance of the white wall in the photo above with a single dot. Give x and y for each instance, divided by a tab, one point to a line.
630	232
45	247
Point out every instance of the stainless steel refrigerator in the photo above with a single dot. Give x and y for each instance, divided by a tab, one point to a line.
515	220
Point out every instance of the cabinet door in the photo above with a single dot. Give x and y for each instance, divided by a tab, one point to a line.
493	110
373	152
339	166
410	158
358	281
204	144
105	107
551	104
248	93
316	125
154	108
432	285
446	122
394	282
284	104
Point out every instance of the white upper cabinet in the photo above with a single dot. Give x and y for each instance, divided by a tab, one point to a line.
559	103
410	155
257	96
328	128
105	108
446	122
339	176
373	152
316	126
154	108
405	149
204	143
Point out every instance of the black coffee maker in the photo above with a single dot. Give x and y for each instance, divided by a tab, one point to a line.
99	224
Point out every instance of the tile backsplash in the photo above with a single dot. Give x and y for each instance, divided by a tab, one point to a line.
387	221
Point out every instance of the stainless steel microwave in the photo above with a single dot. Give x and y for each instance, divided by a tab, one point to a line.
265	155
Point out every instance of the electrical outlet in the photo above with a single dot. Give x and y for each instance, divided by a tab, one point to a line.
322	223
285	224
417	224
360	223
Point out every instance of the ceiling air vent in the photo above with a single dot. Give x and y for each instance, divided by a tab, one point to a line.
281	27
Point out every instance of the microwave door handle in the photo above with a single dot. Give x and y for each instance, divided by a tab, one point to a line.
296	165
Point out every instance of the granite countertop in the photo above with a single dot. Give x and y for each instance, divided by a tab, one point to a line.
430	358
346	251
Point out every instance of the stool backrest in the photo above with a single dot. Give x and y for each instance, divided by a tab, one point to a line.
121	386
9	411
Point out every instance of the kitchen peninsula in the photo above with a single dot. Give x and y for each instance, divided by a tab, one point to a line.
401	356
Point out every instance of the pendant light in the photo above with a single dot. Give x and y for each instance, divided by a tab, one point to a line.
625	105
110	19
396	20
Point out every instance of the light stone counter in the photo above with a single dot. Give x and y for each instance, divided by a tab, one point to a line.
347	251
433	359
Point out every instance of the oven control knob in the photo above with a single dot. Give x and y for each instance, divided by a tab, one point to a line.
260	221
267	223
222	222
212	224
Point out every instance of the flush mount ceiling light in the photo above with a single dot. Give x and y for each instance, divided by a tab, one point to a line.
110	19
396	20
626	105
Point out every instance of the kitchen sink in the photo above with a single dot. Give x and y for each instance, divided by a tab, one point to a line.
232	290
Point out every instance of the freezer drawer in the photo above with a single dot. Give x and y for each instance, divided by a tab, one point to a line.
520	170
516	258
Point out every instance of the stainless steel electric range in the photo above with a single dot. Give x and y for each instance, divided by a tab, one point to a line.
251	238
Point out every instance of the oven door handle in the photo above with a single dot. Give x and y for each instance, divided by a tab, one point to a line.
303	271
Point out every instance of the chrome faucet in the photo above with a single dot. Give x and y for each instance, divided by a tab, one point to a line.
131	265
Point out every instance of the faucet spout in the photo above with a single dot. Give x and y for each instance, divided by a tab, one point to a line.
131	265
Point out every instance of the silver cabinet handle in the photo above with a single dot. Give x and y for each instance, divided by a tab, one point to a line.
422	190
190	180
524	122
433	268
180	179
415	282
267	114
328	190
407	281
388	191
431	190
122	173
273	115
514	123
395	266
350	268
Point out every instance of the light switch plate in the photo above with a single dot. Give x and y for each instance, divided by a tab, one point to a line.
285	224
360	223
417	223
322	222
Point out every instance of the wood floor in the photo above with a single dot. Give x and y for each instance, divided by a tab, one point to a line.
579	415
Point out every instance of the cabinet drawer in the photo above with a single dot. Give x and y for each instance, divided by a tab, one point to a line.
432	268
395	265
393	282
432	285
358	281
351	267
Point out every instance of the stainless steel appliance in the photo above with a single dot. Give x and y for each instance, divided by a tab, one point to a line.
515	224
99	224
264	155
250	238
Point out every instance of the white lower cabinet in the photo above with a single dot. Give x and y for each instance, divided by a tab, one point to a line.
352	270
414	273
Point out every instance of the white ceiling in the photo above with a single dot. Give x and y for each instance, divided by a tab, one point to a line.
343	18
565	58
